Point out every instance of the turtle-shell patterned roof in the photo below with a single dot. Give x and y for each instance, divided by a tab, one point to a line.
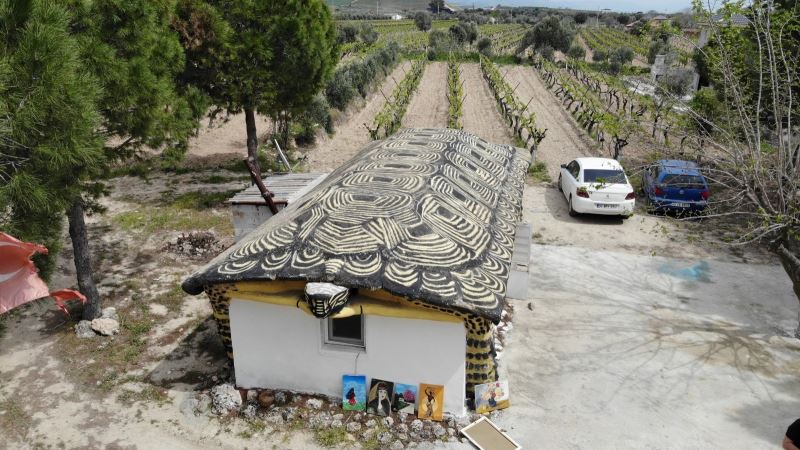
427	214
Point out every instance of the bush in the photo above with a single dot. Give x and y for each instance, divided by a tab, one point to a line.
485	46
599	56
577	52
423	21
547	52
355	78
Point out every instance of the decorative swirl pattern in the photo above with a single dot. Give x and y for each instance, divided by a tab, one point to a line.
427	214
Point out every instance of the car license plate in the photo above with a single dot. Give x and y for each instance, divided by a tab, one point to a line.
605	205
680	205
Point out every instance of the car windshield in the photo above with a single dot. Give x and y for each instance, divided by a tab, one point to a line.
684	181
604	176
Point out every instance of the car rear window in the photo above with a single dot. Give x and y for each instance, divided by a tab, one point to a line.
684	181
604	176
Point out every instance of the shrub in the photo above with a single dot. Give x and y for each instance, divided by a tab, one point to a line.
356	77
485	46
423	21
576	52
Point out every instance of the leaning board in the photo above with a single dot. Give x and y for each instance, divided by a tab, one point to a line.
486	436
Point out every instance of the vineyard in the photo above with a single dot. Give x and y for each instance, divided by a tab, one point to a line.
388	120
604	107
607	40
516	113
505	37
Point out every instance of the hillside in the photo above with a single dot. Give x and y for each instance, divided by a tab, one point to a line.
386	6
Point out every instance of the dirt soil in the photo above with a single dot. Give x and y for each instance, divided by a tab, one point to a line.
129	390
481	116
429	107
351	135
564	140
226	135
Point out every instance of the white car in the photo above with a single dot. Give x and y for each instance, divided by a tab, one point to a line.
596	186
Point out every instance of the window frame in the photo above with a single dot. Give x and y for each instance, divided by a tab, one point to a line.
330	341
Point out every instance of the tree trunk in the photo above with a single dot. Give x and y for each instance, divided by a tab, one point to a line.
83	261
791	263
252	136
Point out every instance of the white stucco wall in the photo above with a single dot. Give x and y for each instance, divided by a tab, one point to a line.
281	347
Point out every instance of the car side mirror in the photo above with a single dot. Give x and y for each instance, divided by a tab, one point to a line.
563	166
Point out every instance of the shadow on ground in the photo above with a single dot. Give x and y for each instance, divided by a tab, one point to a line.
194	361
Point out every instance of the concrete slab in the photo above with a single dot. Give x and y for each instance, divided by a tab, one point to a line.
616	350
517	286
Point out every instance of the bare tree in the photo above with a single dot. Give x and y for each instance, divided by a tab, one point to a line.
755	138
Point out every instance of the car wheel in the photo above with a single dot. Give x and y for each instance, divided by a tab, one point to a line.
560	189
572	211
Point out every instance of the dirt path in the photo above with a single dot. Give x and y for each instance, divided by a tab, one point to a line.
481	116
564	140
429	107
351	135
226	137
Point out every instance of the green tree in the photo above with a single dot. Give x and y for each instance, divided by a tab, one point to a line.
485	46
580	18
276	56
552	32
49	104
423	21
577	52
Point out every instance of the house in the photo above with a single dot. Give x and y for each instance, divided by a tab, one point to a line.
735	20
395	266
658	20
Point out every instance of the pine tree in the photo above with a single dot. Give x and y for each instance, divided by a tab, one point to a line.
50	107
80	73
256	56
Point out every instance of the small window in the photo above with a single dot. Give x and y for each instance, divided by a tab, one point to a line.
347	331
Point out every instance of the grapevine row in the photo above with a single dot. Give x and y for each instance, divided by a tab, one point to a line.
608	39
388	120
455	95
523	123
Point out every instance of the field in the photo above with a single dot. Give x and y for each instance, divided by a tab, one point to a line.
609	330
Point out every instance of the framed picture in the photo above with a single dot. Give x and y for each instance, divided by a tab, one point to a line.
431	401
486	436
379	399
354	392
491	396
405	398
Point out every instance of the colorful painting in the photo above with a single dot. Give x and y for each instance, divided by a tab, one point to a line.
354	392
491	396
379	400
405	397
431	401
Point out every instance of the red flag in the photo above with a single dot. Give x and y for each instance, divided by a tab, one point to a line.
19	281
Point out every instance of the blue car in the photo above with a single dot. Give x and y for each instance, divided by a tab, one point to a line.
675	185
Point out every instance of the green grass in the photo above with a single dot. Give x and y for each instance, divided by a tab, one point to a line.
172	299
150	219
538	172
199	200
14	418
331	437
150	394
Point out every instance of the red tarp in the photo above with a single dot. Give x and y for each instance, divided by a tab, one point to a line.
19	280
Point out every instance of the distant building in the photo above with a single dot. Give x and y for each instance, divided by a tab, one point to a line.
657	21
397	17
